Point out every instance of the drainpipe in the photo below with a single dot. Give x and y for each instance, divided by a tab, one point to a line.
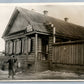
54	32
54	39
36	51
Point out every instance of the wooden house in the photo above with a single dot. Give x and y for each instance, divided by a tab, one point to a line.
41	42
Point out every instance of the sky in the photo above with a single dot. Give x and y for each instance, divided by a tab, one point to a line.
74	11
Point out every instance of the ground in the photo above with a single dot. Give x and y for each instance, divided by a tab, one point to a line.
45	75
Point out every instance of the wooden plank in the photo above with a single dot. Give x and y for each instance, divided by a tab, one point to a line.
66	56
77	55
74	54
69	54
56	53
82	54
60	49
73	58
61	54
64	52
67	59
53	54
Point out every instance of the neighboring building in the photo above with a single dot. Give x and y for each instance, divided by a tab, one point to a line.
41	42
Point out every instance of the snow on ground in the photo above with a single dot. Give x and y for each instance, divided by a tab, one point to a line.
56	75
3	72
45	75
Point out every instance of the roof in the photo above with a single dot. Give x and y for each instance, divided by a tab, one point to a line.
63	28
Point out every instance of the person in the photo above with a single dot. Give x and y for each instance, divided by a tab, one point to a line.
11	66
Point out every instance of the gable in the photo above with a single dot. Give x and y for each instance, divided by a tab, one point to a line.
19	24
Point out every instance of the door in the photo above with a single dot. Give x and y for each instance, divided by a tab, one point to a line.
45	49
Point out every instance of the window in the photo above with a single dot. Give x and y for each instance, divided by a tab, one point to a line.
30	45
10	47
18	46
25	45
6	47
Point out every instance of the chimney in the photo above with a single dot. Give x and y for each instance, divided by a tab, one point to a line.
32	9
66	19
45	12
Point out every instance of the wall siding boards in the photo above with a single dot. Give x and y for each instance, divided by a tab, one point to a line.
19	24
68	54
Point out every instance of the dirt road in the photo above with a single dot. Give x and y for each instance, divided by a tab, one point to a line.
46	75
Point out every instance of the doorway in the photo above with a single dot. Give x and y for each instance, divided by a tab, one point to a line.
45	49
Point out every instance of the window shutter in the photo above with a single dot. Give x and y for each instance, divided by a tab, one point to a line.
18	47
19	42
22	45
6	47
14	50
29	45
10	47
25	45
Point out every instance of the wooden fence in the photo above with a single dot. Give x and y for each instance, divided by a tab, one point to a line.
68	53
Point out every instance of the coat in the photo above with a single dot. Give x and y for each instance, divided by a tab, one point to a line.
11	63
